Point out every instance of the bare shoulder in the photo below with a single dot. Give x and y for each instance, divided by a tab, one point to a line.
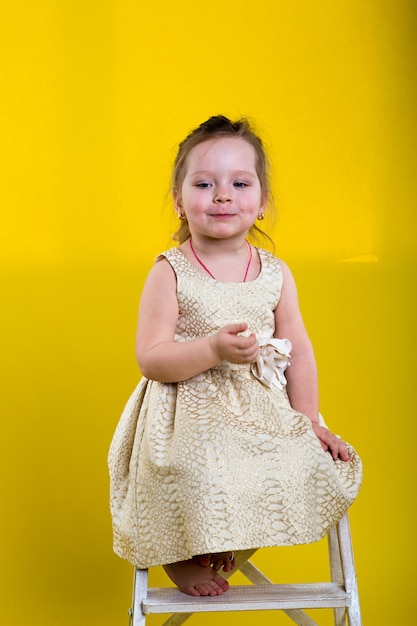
288	282
158	311
161	273
160	289
288	306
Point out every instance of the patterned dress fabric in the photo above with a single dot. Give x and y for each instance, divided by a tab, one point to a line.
221	461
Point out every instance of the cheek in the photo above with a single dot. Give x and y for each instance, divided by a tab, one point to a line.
253	201
196	199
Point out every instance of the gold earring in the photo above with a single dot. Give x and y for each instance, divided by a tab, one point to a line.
181	216
261	216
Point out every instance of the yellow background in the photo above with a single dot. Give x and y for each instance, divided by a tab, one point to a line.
95	96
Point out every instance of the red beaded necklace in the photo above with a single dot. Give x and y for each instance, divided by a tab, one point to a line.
207	269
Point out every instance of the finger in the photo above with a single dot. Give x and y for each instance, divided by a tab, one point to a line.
248	344
340	451
334	449
238	327
344	453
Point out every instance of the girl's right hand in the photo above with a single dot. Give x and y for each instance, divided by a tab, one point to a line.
230	345
331	443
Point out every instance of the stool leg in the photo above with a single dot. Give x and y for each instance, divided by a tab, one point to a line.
336	571
140	591
349	572
342	572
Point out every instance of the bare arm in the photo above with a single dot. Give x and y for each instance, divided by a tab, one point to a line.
302	385
162	358
301	376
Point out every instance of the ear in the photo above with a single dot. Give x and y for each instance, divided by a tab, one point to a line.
177	201
264	203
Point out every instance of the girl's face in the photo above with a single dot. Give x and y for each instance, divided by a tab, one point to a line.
221	194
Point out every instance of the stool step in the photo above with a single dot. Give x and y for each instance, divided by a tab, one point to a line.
248	598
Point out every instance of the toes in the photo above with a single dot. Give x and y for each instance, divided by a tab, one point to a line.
215	587
193	579
229	563
192	591
225	561
221	583
204	560
205	589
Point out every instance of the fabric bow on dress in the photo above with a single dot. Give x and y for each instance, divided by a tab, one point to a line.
273	360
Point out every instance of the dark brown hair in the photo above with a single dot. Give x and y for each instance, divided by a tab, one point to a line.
216	127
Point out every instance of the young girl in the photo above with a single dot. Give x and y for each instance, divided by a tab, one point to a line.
217	450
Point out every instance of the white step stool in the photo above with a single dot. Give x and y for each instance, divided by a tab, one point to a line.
341	594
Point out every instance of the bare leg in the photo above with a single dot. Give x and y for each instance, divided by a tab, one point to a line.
195	579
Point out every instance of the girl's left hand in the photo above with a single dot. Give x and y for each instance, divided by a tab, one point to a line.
331	443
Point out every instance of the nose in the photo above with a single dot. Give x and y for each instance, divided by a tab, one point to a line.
222	196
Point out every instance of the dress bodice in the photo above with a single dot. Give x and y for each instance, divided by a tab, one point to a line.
206	305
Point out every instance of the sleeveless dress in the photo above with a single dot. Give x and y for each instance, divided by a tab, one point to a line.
221	461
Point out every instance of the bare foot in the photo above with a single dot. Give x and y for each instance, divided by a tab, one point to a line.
220	560
196	580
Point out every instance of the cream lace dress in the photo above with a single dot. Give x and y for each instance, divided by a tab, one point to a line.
221	461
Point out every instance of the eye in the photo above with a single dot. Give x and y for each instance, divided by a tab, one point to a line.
203	185
240	184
